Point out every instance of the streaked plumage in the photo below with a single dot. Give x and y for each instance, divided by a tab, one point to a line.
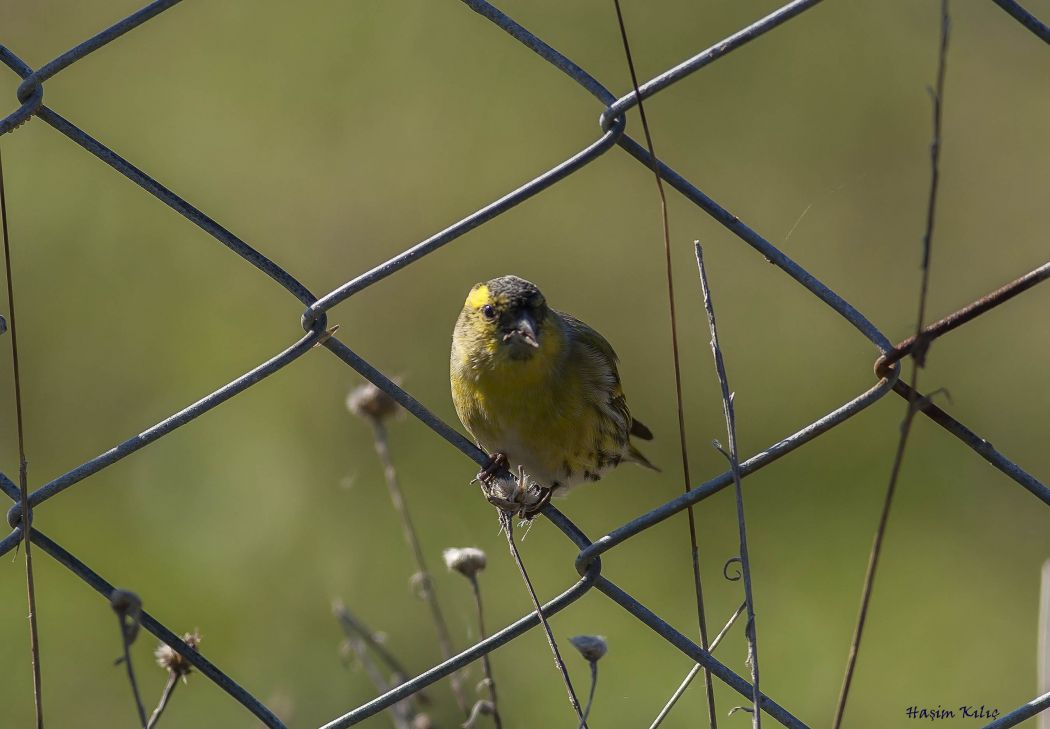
540	387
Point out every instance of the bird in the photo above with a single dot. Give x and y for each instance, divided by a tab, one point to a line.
539	389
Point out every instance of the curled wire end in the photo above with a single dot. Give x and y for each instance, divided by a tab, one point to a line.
735	709
725	569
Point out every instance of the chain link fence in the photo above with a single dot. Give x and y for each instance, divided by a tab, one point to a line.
612	133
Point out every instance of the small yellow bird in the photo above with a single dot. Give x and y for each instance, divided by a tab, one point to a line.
539	388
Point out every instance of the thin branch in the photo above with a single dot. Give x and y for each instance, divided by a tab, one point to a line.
734	465
169	689
352	625
397	497
687	480
590	694
918	355
23	466
128	608
360	640
489	680
177	666
694	670
1043	641
508	529
360	649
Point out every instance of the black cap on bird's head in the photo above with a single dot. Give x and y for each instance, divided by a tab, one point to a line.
514	310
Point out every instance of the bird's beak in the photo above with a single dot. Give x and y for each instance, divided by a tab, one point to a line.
523	330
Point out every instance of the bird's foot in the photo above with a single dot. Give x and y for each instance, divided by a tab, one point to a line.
520	496
497	464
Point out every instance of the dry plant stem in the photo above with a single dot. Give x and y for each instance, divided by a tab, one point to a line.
734	465
131	671
400	505
1043	644
397	712
23	466
694	550
918	360
353	627
508	529
360	639
165	697
694	670
590	695
496	718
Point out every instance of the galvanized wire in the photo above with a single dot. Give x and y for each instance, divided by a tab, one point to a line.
611	133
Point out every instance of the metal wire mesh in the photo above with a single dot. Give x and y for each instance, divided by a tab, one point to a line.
588	563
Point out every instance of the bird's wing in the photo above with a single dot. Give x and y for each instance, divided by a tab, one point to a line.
607	378
584	334
601	347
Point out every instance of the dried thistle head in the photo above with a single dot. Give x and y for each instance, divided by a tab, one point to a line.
467	561
171	660
369	402
128	606
591	647
419	583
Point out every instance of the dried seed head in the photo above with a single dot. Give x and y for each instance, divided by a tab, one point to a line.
468	561
591	647
170	659
128	606
419	583
125	602
369	402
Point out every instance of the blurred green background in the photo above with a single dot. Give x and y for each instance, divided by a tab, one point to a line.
331	136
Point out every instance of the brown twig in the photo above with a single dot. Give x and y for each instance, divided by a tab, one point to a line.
128	608
399	716
508	530
23	466
374	405
352	625
486	664
687	480
169	689
918	349
695	670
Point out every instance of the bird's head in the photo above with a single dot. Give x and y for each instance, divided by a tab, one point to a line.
504	317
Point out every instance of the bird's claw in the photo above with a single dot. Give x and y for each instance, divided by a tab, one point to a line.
497	464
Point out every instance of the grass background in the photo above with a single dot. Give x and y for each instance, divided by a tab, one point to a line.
333	135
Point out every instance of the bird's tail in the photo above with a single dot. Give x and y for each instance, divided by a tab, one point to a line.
635	455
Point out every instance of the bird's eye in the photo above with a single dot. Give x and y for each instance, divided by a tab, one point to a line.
489	311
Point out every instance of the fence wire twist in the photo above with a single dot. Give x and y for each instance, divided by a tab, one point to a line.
612	126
